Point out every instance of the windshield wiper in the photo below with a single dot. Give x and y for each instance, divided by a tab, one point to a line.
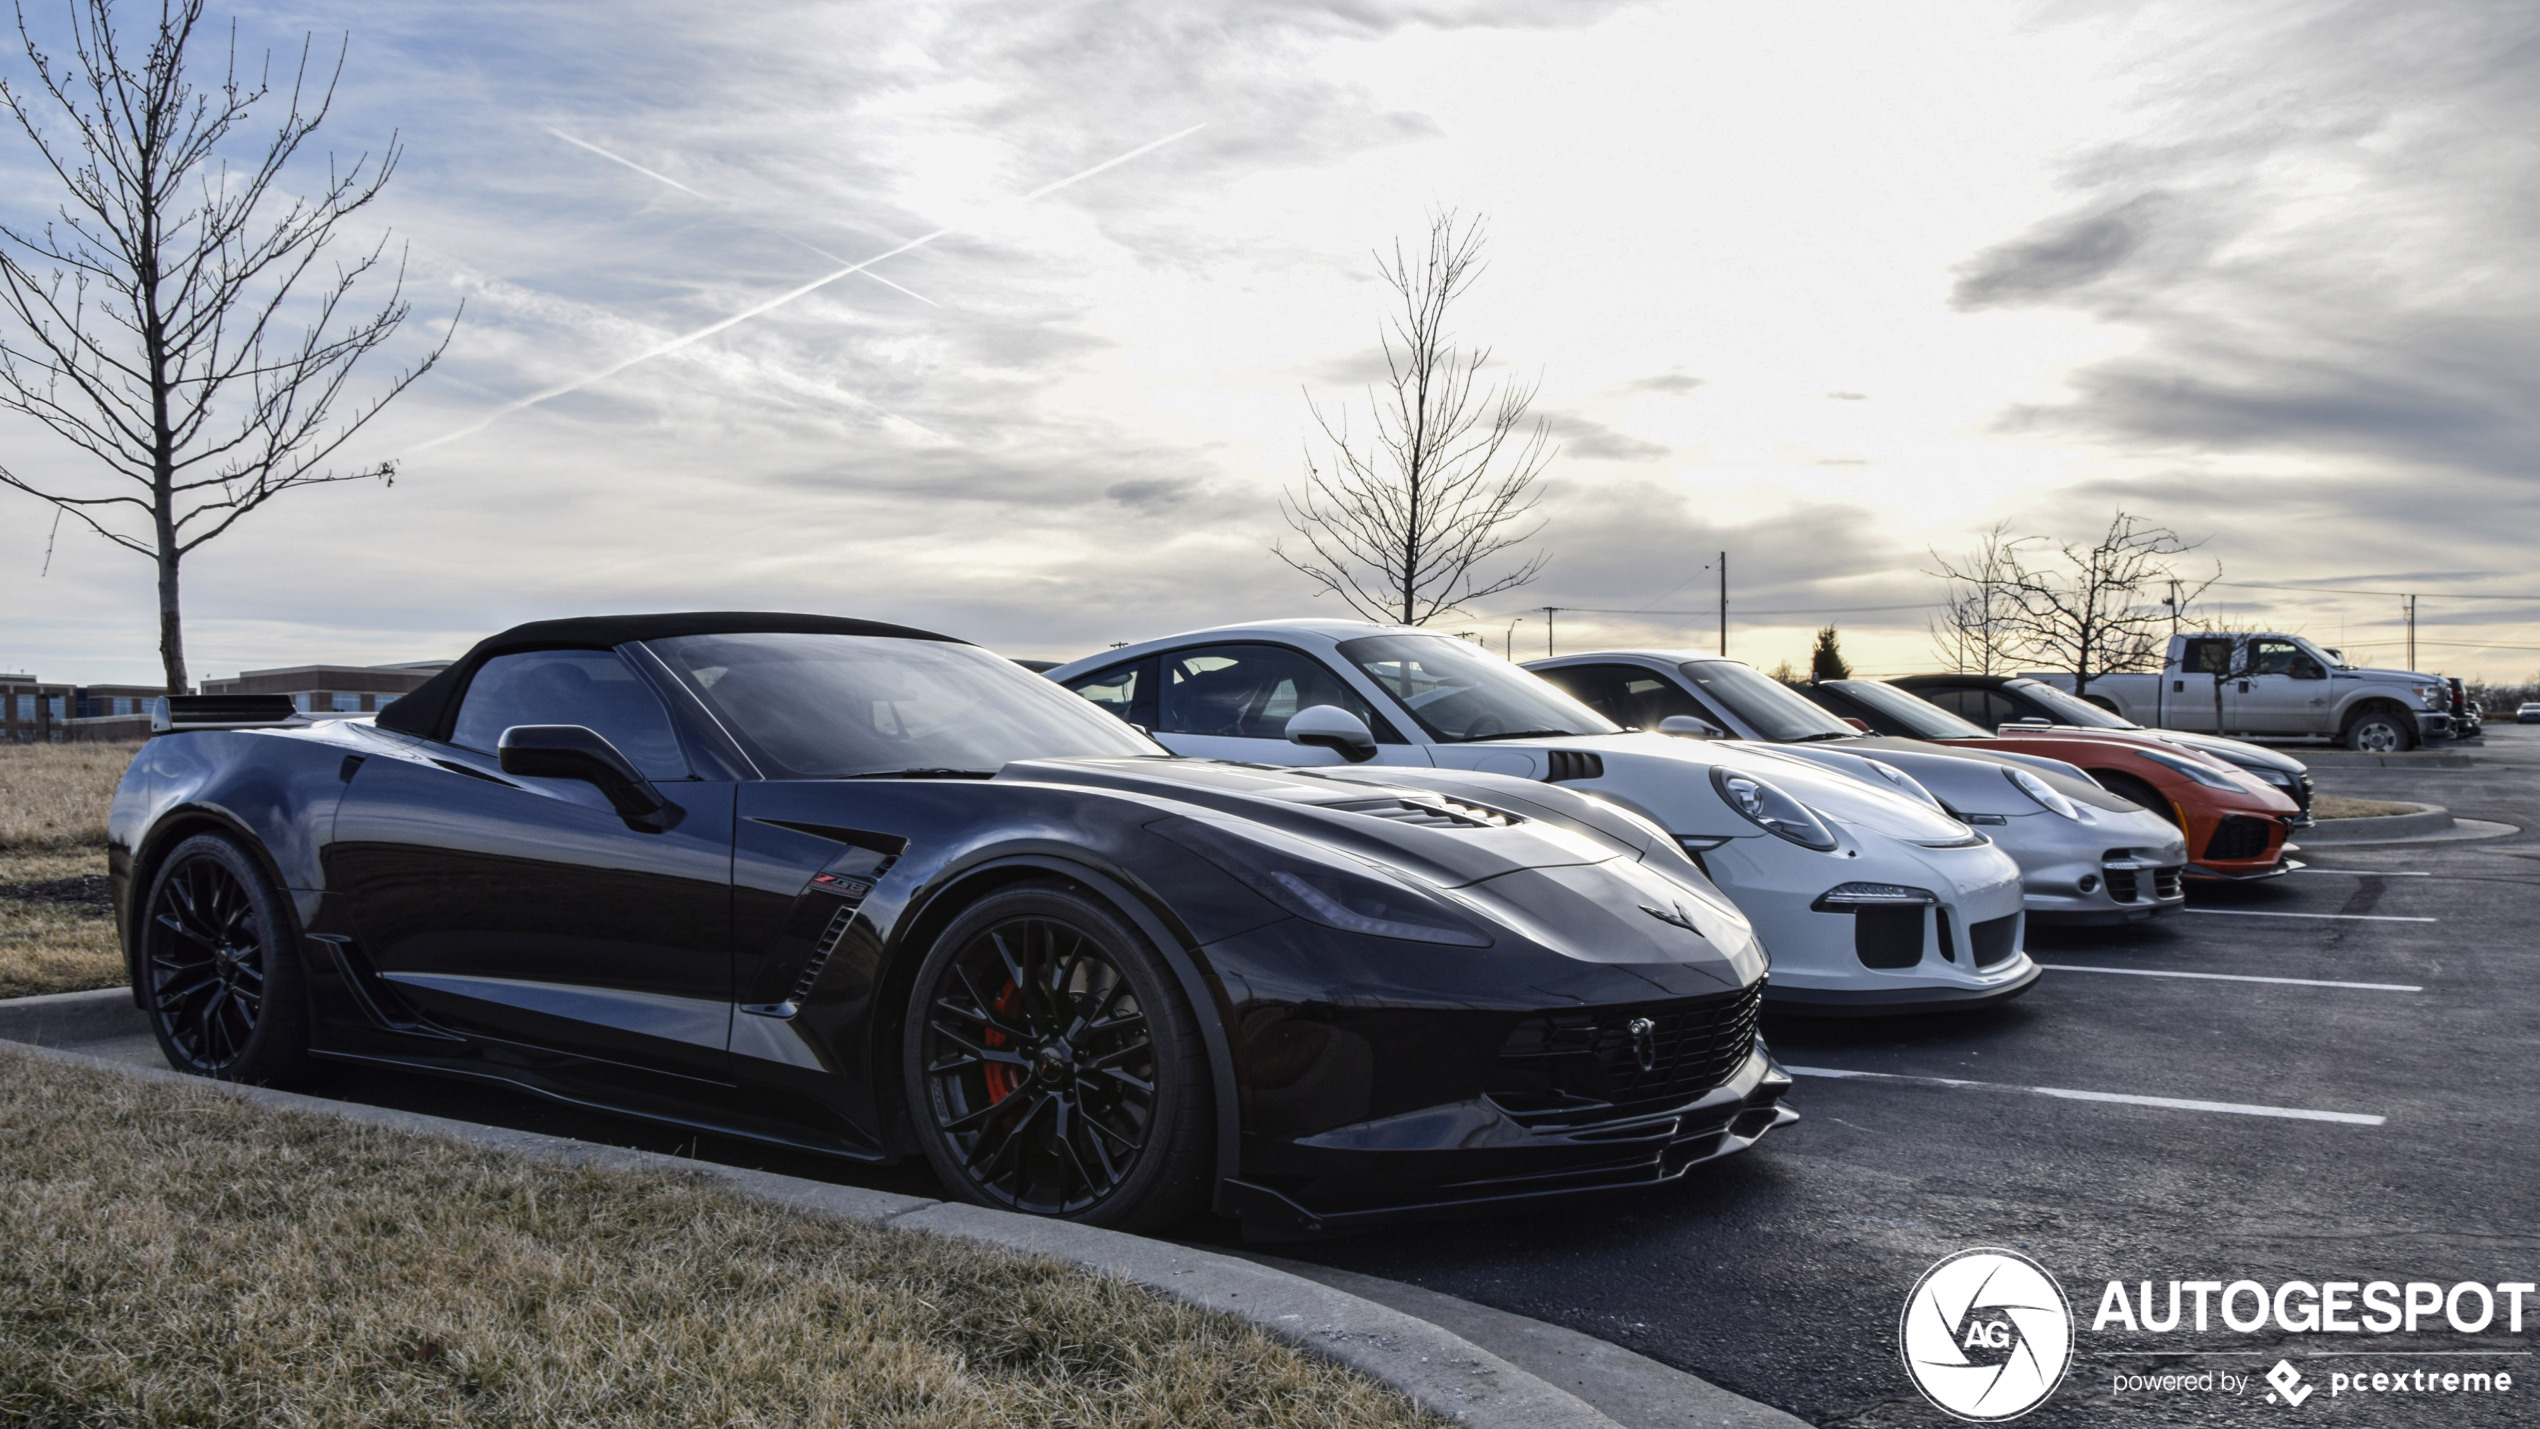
923	774
1531	734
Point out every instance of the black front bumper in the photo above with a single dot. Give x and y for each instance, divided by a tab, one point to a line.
1479	1158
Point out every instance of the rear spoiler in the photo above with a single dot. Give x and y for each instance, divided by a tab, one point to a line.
172	714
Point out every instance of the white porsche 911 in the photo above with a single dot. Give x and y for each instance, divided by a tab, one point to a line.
1869	900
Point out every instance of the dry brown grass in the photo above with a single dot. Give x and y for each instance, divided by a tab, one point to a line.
169	1255
55	796
2338	806
54	947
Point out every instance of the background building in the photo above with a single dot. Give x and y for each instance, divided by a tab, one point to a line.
345	689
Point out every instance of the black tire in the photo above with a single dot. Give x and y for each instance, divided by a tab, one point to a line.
2380	731
219	966
2126	786
1054	1067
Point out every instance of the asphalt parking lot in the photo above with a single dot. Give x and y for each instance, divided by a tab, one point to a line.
2363	1032
1781	1274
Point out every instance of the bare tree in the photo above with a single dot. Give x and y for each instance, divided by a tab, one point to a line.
1401	528
1973	631
173	323
2088	608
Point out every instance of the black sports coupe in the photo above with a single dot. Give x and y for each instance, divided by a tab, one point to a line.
875	892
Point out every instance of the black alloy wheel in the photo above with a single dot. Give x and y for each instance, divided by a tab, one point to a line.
1053	1066
218	977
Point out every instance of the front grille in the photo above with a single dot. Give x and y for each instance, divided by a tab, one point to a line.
1431	813
2121	884
2167	884
2240	837
1888	937
1591	1057
2303	788
1995	939
1561	764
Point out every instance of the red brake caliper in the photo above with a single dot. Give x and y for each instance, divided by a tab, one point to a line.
1001	1077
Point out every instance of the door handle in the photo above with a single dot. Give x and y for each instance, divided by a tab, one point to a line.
2244	687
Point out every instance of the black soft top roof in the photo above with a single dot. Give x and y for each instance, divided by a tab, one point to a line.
426	710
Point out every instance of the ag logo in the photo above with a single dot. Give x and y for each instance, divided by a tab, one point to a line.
1987	1335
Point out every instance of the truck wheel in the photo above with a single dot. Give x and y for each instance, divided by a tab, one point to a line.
2379	732
2126	786
1054	1067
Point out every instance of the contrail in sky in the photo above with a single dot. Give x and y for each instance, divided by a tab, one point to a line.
723	204
772	304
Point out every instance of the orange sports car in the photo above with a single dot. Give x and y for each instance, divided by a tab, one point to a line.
2235	824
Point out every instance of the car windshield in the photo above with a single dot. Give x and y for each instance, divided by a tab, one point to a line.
2329	658
1459	691
1772	709
1920	717
810	706
2068	708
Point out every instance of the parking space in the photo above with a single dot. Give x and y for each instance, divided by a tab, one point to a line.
2329	1075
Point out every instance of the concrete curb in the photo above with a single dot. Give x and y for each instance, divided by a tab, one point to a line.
2422	819
1442	1371
2351	759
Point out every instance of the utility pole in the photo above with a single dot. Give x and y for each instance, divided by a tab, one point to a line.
2172	603
1547	629
2412	632
1724	605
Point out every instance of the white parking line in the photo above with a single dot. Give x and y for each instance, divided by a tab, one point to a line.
2375	872
2125	1098
2341	917
2232	977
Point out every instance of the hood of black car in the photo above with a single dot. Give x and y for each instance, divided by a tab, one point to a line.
1448	840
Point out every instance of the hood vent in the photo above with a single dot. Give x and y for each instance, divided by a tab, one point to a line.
1441	813
1566	764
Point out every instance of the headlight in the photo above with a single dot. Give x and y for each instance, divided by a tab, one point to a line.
2206	775
1772	810
1361	899
2434	697
2048	797
1906	782
2277	777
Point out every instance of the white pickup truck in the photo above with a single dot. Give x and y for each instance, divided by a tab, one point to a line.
2276	686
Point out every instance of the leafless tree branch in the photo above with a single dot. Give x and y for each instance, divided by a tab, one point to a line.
1401	527
170	320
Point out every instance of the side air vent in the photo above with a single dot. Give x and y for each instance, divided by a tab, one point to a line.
1995	939
1438	813
847	891
1566	764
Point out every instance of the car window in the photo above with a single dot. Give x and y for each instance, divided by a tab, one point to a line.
1894	711
1965	703
1249	691
1632	696
1459	691
2208	656
2037	697
592	688
1770	708
1126	690
814	706
2273	657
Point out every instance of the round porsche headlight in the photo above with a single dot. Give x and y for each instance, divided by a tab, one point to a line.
2048	797
1772	810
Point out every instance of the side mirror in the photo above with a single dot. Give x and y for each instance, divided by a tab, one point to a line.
569	751
2308	670
1333	728
1691	728
1857	723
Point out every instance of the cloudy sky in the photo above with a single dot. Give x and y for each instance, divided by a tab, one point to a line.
1826	285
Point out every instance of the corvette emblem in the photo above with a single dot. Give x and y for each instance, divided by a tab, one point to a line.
1675	915
1644	1042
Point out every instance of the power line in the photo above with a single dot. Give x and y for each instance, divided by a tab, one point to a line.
1826	610
2350	590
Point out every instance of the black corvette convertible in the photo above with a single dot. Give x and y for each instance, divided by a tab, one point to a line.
873	892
